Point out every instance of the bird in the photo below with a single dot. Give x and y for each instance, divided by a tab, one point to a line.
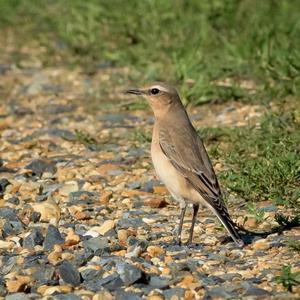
181	160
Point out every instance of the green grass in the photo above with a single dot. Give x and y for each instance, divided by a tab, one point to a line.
211	49
261	162
288	279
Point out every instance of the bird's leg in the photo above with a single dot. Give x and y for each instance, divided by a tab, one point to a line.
195	211
182	213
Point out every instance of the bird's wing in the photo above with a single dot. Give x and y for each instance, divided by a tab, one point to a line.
186	152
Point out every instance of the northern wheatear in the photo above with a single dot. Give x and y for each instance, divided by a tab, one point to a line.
180	159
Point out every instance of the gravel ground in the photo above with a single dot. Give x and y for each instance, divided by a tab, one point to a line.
83	216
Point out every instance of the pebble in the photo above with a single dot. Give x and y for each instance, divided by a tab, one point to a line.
105	227
53	237
48	210
34	238
96	243
39	166
69	274
262	244
128	273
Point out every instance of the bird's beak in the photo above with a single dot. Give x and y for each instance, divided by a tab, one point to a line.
134	91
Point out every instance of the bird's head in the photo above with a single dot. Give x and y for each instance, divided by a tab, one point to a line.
160	96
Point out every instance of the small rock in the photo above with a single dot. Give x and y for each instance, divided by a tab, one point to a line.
83	197
49	211
96	285
127	296
174	294
159	282
54	109
62	133
96	243
105	197
53	237
156	203
35	216
17	296
128	273
69	187
69	274
17	284
50	290
106	226
34	238
122	237
104	295
155	251
39	166
257	292
148	186
6	245
12	227
160	189
133	185
115	172
3	184
7	213
261	244
45	274
67	297
72	238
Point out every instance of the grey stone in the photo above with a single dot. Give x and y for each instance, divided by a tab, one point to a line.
257	292
35	216
8	213
115	172
69	274
230	276
54	109
36	258
159	282
83	197
114	284
53	237
19	110
133	185
34	238
96	243
148	186
268	208
3	184
179	292
118	118
136	152
12	227
98	284
134	222
45	274
128	273
39	166
39	80
67	297
17	296
218	292
122	295
14	200
7	264
62	133
90	274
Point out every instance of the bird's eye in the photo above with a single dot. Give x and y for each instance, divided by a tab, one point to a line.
154	91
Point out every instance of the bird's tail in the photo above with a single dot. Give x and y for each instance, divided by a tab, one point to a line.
230	227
